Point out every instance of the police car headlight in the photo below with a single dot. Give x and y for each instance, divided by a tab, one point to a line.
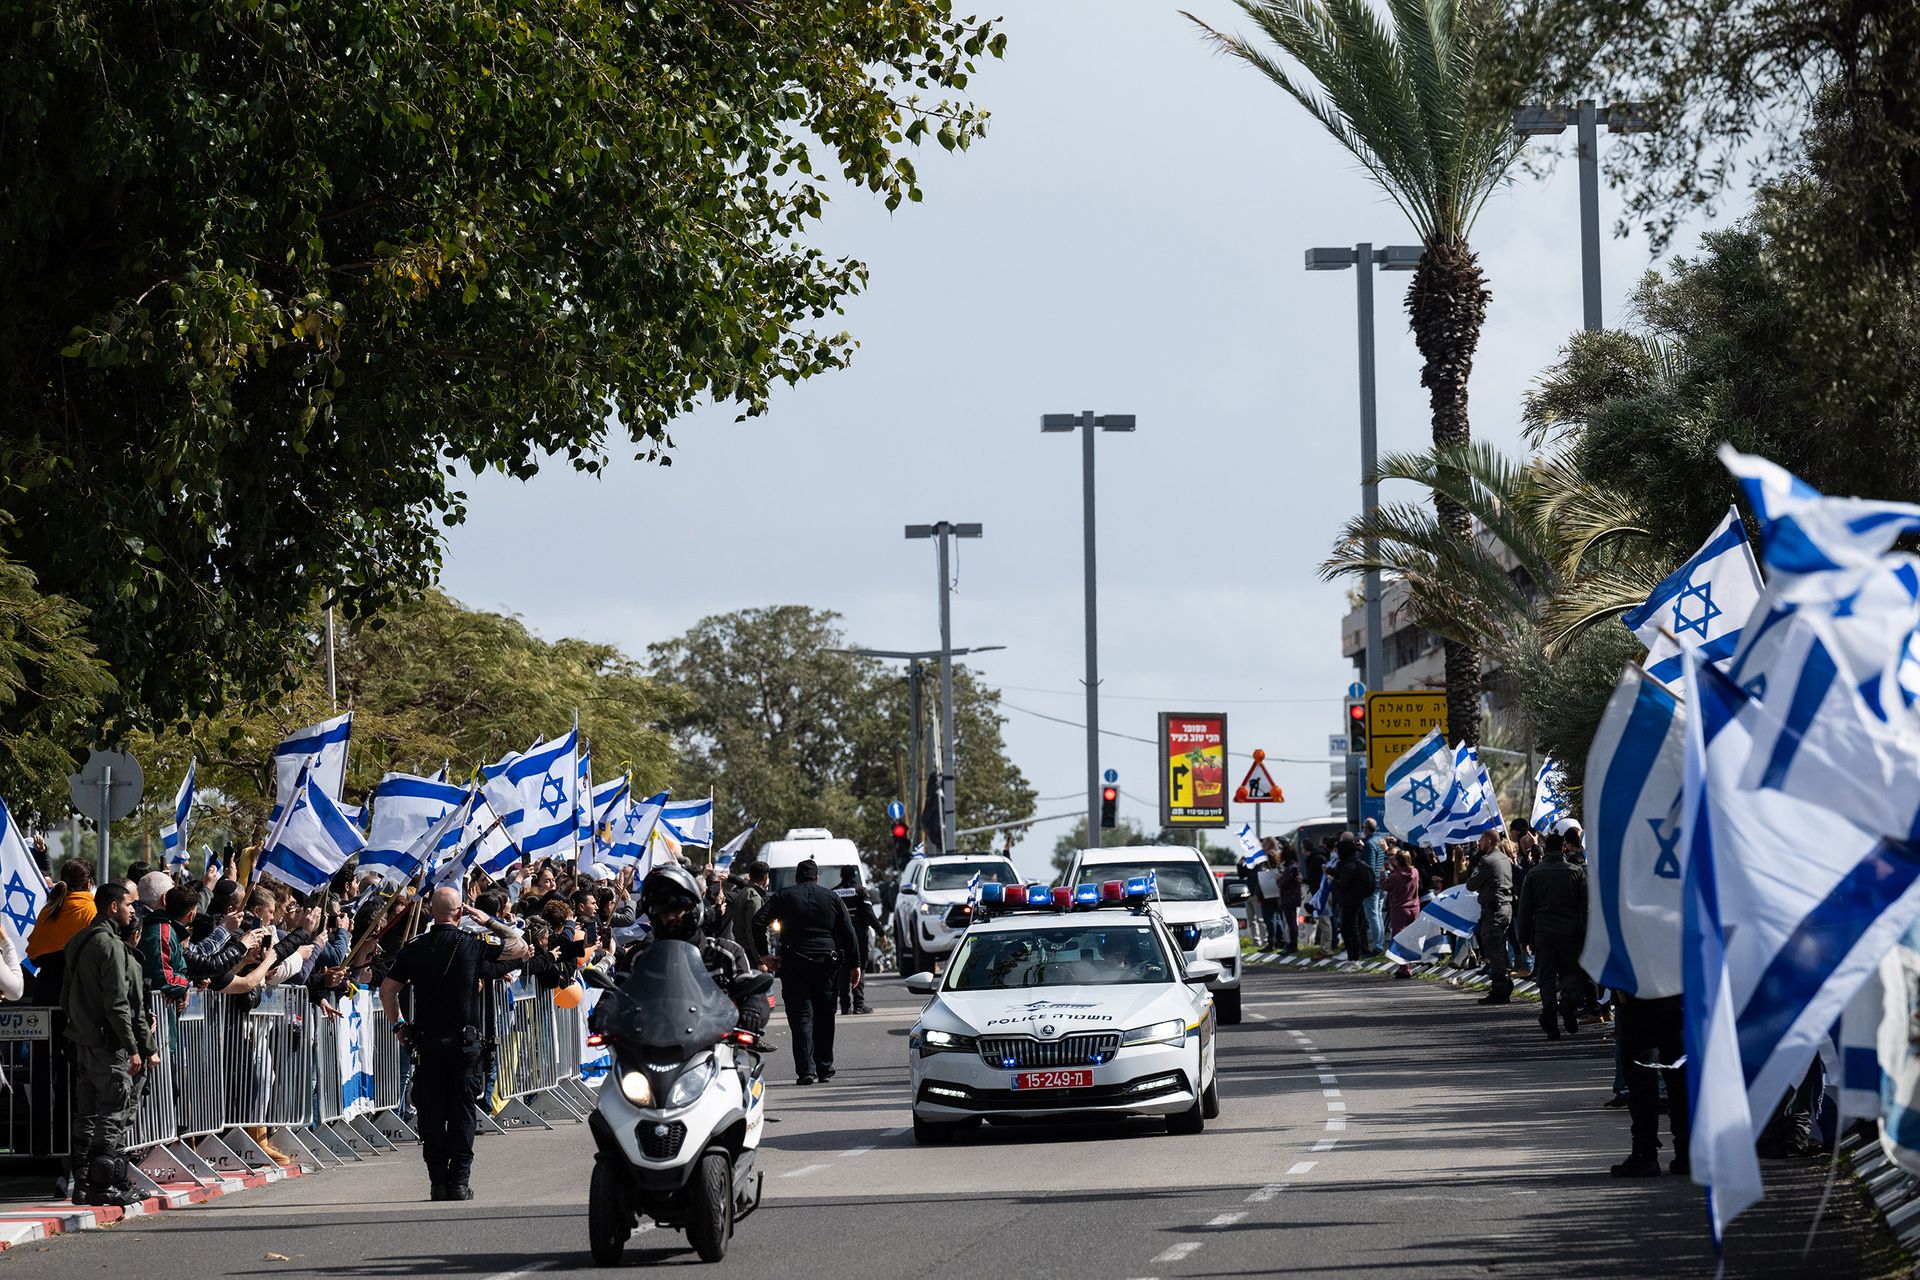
635	1089
932	908
692	1083
932	1042
1172	1031
1219	928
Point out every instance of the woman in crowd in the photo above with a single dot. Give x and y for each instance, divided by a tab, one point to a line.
69	909
1403	899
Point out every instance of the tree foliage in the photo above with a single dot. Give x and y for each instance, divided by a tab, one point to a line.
51	685
274	271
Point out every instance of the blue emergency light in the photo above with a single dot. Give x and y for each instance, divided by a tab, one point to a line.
1086	895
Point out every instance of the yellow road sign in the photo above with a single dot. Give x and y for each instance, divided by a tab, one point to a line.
1395	721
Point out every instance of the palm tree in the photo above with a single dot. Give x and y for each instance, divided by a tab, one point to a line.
1430	123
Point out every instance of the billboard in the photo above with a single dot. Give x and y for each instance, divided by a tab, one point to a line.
1193	769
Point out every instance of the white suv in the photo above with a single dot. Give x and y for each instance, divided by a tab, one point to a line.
927	888
1192	902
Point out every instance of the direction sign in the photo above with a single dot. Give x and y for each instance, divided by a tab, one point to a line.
1111	776
1356	690
895	811
83	788
1395	721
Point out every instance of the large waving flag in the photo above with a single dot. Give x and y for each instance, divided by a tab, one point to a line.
1453	911
607	805
1793	906
1702	605
1803	531
1470	807
23	890
484	844
433	847
690	821
1550	800
1415	784
632	836
1250	850
405	806
173	836
533	793
1636	858
322	746
723	860
312	840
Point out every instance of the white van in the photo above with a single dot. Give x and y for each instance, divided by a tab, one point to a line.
817	843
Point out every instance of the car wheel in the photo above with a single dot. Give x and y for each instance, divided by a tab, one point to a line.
1192	1120
1226	1007
933	1133
1210	1101
609	1221
710	1206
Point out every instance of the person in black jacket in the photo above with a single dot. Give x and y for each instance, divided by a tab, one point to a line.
1551	921
859	904
1353	886
816	938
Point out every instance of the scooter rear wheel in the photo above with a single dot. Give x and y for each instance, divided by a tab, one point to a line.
710	1206
609	1221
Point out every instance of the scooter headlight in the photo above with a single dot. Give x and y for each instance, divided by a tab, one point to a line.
692	1083
635	1088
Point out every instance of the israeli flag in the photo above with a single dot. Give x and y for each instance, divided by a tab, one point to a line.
211	860
322	746
723	860
973	888
1323	896
633	835
178	865
312	840
1415	785
23	890
606	804
173	836
484	844
1850	1053
1452	911
1788	909
1898	1055
690	821
405	806
534	794
1550	802
583	811
1636	858
1702	605
434	846
1250	850
1470	806
1802	531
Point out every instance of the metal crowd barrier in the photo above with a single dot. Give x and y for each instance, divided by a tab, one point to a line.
536	1058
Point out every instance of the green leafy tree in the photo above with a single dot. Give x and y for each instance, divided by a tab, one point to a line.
51	685
275	272
1414	104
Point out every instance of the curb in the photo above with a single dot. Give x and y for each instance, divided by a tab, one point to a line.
27	1223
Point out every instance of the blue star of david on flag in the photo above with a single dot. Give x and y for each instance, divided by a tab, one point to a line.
553	794
1696	621
23	917
1666	864
1422	803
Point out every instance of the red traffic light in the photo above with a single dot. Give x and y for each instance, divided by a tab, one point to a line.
899	831
1110	794
1356	711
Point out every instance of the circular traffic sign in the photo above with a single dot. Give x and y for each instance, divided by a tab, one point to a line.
1111	775
896	810
1356	690
124	790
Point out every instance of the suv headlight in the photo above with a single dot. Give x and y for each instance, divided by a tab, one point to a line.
933	908
1219	928
932	1042
635	1088
691	1084
1172	1031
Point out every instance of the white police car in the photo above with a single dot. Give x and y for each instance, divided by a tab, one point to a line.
929	888
1064	1002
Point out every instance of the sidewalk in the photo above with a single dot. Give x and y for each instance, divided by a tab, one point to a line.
25	1219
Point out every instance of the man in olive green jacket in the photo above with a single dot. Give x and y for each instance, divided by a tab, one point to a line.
112	1043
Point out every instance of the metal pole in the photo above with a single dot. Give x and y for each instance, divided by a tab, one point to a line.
1087	430
333	698
1369	449
1590	213
106	820
949	767
915	779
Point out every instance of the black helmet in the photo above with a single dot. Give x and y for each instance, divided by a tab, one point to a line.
670	898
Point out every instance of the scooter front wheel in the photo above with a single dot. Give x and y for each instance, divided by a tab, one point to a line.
710	1206
609	1221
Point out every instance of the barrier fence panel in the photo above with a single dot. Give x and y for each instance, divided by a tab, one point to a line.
35	1121
201	1028
153	1112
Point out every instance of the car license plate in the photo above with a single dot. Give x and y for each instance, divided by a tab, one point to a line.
1053	1080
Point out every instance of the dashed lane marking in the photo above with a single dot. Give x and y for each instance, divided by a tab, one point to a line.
1336	1123
803	1170
1226	1219
1325	1144
1304	1167
894	1133
1266	1193
1176	1252
856	1151
1329	1093
1336	1106
524	1271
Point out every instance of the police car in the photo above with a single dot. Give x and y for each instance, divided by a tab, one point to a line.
1064	1002
929	889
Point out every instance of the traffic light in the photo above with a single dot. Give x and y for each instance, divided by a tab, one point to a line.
1109	800
902	844
1356	726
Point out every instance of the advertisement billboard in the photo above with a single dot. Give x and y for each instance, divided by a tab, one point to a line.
1193	769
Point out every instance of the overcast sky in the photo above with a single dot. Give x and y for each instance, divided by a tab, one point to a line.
1127	238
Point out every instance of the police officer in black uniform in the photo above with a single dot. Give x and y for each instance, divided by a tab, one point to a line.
816	938
859	904
670	899
445	967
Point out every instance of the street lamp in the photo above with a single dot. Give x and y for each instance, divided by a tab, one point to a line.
1394	257
1621	117
1087	422
945	532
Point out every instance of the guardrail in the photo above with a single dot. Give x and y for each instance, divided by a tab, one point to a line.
327	1085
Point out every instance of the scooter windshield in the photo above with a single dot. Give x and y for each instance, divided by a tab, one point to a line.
668	1003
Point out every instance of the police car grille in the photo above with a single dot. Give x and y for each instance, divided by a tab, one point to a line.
661	1146
1027	1054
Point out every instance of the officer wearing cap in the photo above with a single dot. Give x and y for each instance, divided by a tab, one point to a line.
859	904
816	938
445	967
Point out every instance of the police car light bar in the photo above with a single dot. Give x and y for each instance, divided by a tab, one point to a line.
993	895
1086	895
1112	891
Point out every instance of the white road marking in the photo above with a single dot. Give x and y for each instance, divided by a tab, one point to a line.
1327	1077
1258	1017
1336	1123
1175	1253
1266	1193
803	1171
524	1271
1304	1167
1325	1144
894	1133
856	1151
1316	1057
1226	1219
1329	1093
1336	1106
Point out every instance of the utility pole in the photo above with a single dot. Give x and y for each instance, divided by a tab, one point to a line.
944	532
1087	422
1585	118
333	696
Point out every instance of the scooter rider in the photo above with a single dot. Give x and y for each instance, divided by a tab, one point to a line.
670	899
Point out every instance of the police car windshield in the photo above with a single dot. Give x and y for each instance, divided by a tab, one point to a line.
1178	880
955	875
1099	955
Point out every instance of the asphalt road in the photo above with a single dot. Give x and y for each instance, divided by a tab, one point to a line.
1368	1128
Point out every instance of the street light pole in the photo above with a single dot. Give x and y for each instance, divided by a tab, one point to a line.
1086	422
1365	257
1585	117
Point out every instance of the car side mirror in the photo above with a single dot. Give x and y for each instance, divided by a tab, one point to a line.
908	891
1236	893
1202	971
922	983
